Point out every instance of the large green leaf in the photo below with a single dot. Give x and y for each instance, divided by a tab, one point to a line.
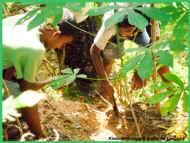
116	18
174	78
130	65
99	10
165	58
55	12
67	71
177	45
161	86
63	80
170	105
76	6
58	16
185	101
137	19
28	15
159	97
145	66
49	11
37	20
180	38
68	76
154	13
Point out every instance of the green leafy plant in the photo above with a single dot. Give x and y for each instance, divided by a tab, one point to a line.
143	63
26	99
171	93
68	76
53	11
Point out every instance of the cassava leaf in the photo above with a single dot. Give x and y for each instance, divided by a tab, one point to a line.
185	101
163	85
76	6
130	65
63	80
159	97
165	58
37	20
174	78
58	16
137	19
28	15
170	105
76	71
179	40
100	10
81	76
116	18
67	71
145	66
154	13
67	78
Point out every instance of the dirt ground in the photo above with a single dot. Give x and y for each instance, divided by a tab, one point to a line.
78	120
73	118
77	117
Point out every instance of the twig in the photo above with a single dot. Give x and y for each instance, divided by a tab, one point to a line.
132	111
105	100
155	35
89	33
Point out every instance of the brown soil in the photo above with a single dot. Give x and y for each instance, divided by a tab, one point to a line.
77	120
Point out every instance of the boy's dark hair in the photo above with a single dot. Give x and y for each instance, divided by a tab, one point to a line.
66	27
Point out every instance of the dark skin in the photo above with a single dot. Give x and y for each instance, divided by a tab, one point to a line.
103	70
52	39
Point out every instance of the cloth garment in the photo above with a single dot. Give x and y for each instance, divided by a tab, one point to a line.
21	48
104	35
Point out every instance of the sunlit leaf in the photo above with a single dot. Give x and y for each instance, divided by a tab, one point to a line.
163	85
68	76
81	76
67	71
185	101
159	97
28	15
76	71
37	20
63	80
154	13
137	19
100	10
116	18
174	78
145	66
170	105
165	58
130	65
76	6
